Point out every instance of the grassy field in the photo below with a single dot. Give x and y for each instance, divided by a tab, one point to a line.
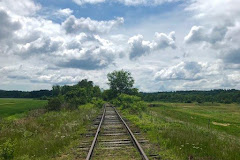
45	135
13	106
202	131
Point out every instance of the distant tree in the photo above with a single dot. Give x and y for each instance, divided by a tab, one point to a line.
121	82
54	104
56	90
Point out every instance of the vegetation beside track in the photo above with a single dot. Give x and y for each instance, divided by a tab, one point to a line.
184	130
44	135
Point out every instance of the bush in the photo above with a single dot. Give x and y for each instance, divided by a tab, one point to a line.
54	104
7	150
131	103
98	102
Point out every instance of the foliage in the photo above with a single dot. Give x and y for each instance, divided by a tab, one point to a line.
7	150
70	97
54	104
130	103
120	82
56	90
48	135
98	102
220	96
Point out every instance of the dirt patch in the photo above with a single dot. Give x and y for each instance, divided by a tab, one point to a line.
221	124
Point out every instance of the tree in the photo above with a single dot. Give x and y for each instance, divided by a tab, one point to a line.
56	90
120	82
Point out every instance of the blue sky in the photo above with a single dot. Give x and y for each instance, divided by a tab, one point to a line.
167	45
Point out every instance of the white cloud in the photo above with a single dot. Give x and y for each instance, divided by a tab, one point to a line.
65	12
127	2
37	52
145	2
139	47
201	34
95	53
23	7
163	41
219	11
81	2
7	26
231	56
181	71
72	25
46	41
220	27
196	34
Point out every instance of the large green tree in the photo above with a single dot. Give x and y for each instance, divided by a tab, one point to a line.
121	82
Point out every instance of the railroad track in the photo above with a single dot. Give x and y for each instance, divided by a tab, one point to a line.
114	139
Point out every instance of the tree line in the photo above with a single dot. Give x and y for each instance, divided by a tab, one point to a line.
121	82
25	94
218	95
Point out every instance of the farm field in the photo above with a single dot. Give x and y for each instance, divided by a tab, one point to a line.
13	106
184	130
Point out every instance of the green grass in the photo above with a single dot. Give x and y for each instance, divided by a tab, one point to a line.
14	107
41	135
204	131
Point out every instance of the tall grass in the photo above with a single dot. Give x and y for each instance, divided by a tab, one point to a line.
181	134
44	136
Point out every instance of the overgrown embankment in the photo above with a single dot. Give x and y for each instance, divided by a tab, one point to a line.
44	135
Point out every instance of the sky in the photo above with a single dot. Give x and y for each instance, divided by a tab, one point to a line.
167	45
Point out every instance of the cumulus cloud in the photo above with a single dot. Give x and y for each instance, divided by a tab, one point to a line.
127	2
7	26
139	47
81	2
216	17
94	53
190	75
65	12
37	51
72	25
196	34
163	41
231	56
201	34
219	11
181	71
24	7
43	45
44	40
220	27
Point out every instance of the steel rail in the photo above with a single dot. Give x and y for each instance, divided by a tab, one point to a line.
144	156
96	135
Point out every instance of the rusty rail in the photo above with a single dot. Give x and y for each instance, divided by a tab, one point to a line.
134	140
144	156
96	135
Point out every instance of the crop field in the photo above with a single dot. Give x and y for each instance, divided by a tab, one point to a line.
13	106
192	130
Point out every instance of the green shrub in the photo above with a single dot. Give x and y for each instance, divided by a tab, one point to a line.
98	102
54	104
7	150
131	103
